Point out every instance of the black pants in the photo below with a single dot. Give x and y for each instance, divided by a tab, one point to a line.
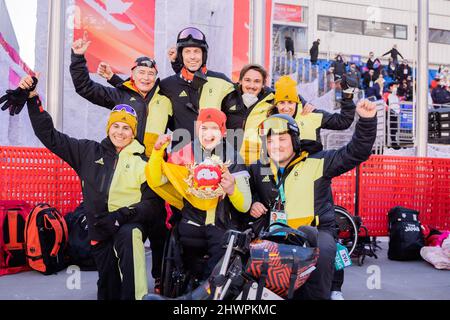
338	280
318	286
121	264
197	240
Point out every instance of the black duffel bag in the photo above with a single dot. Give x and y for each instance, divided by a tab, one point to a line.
405	234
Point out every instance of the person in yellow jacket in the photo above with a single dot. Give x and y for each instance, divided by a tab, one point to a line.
121	209
287	101
210	189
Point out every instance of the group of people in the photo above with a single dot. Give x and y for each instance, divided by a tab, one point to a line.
216	154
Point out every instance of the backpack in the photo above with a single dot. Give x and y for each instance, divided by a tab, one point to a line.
46	239
79	248
405	234
12	238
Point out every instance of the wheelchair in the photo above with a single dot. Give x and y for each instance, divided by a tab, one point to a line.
231	279
354	236
179	276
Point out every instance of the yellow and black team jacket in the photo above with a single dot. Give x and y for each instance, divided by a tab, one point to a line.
168	181
187	98
109	180
248	119
311	123
124	92
307	178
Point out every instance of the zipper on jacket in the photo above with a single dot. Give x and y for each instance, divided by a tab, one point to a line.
116	159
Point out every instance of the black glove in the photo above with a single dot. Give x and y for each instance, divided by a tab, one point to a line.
349	86
16	99
110	222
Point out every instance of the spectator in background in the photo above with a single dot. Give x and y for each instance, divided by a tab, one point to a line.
441	94
393	110
370	61
289	45
338	66
354	74
435	81
369	79
404	71
377	68
405	91
314	52
394	54
377	89
391	69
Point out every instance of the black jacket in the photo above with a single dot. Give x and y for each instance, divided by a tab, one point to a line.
334	163
440	95
394	54
109	97
96	164
314	51
235	109
186	98
403	72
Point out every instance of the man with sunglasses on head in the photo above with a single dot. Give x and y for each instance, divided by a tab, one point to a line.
140	91
120	204
294	182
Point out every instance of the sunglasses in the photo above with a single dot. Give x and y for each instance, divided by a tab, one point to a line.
194	33
124	107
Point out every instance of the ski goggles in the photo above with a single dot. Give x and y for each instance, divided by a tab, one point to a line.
275	125
124	107
192	32
145	62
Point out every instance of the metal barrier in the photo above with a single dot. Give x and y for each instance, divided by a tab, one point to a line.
401	124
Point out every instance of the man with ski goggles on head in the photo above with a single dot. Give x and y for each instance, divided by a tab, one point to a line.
193	87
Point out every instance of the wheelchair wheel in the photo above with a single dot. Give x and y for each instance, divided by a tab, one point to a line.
347	230
172	272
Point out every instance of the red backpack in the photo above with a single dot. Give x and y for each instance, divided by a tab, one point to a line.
13	215
46	239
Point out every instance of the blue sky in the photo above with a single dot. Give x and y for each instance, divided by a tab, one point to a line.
23	18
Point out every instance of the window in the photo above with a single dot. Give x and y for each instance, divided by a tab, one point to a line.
401	32
323	23
377	29
439	36
367	28
346	25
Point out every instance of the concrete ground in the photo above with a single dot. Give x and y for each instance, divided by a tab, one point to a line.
377	279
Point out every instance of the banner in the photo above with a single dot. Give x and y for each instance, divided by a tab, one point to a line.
241	34
119	31
287	13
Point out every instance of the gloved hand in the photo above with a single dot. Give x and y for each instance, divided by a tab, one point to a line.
110	222
349	86
16	99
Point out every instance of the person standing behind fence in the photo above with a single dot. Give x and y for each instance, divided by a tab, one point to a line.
121	208
394	54
314	51
338	66
289	45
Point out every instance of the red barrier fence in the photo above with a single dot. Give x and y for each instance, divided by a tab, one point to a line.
36	175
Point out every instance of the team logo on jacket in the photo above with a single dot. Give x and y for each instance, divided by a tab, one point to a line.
183	94
204	178
100	161
132	99
266	179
